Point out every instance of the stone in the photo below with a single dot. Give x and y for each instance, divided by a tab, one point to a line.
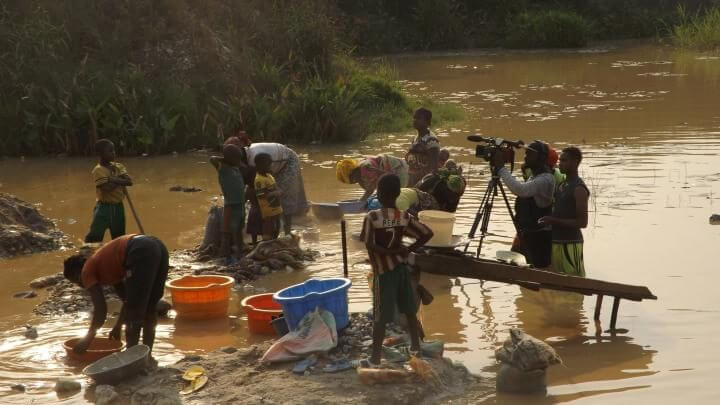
105	394
30	332
156	396
46	281
228	349
163	307
67	385
192	358
18	387
25	294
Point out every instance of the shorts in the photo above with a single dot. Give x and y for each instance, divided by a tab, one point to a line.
390	288
147	266
567	258
233	218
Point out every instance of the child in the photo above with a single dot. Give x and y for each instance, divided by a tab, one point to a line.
423	154
230	175
268	197
383	230
111	178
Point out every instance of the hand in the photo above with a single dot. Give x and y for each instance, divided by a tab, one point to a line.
115	332
546	220
83	344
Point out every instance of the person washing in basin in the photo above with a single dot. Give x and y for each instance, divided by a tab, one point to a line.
367	172
137	267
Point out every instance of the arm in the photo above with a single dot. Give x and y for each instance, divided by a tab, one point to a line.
581	208
529	188
98	318
367	194
215	161
117	329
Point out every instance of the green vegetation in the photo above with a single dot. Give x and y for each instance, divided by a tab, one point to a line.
699	30
547	29
158	76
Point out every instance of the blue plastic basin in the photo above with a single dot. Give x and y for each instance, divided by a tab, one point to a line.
329	294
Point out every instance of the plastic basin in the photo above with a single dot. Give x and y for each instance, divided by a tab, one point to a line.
99	348
441	223
118	366
329	294
352	206
261	309
200	297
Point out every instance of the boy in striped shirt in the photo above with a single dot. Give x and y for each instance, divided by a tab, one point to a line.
383	230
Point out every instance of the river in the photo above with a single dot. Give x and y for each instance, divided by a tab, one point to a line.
647	118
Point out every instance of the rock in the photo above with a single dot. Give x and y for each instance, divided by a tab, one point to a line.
156	396
46	281
513	380
715	219
192	358
526	352
67	385
228	349
18	387
25	294
30	332
264	270
105	394
176	188
162	308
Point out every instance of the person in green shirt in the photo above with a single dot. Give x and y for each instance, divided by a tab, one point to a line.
230	176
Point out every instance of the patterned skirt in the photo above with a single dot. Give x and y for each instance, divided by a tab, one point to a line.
290	182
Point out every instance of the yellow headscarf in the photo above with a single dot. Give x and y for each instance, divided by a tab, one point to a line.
344	168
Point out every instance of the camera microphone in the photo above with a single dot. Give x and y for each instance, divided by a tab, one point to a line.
475	138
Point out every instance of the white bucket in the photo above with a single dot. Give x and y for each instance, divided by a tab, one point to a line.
441	223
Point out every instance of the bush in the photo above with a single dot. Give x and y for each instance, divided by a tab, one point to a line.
547	28
699	31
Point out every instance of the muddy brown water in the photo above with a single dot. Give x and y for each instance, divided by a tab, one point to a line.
648	120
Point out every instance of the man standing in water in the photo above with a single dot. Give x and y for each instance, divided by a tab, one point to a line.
111	178
423	155
534	201
137	266
569	216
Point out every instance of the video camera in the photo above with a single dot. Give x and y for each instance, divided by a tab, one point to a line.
494	145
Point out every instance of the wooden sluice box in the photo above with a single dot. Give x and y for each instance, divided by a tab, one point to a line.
456	264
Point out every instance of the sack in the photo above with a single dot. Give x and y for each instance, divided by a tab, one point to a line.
316	332
526	353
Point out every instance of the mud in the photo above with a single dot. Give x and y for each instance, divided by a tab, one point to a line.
237	376
23	230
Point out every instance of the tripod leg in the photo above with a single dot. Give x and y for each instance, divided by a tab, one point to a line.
480	213
492	192
507	204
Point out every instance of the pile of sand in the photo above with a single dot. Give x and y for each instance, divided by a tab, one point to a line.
23	230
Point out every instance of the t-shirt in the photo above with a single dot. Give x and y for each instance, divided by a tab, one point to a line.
425	143
107	264
277	151
386	227
541	187
374	167
231	183
269	206
101	176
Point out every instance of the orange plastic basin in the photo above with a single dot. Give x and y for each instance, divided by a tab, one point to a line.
200	297
261	309
99	348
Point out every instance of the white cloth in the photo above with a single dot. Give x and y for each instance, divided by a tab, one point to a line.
277	151
540	188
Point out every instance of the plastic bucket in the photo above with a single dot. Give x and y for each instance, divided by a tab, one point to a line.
441	223
261	309
200	297
329	294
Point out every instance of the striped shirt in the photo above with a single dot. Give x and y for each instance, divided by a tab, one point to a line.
386	227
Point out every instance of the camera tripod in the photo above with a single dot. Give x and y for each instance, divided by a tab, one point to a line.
482	218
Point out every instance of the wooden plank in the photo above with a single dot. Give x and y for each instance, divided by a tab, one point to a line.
598	306
458	265
613	317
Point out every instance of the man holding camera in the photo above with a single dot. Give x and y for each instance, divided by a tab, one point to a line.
534	201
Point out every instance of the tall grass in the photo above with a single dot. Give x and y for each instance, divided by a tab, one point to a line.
158	76
700	30
547	28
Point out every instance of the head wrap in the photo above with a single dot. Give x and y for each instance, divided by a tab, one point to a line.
232	151
344	168
552	157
